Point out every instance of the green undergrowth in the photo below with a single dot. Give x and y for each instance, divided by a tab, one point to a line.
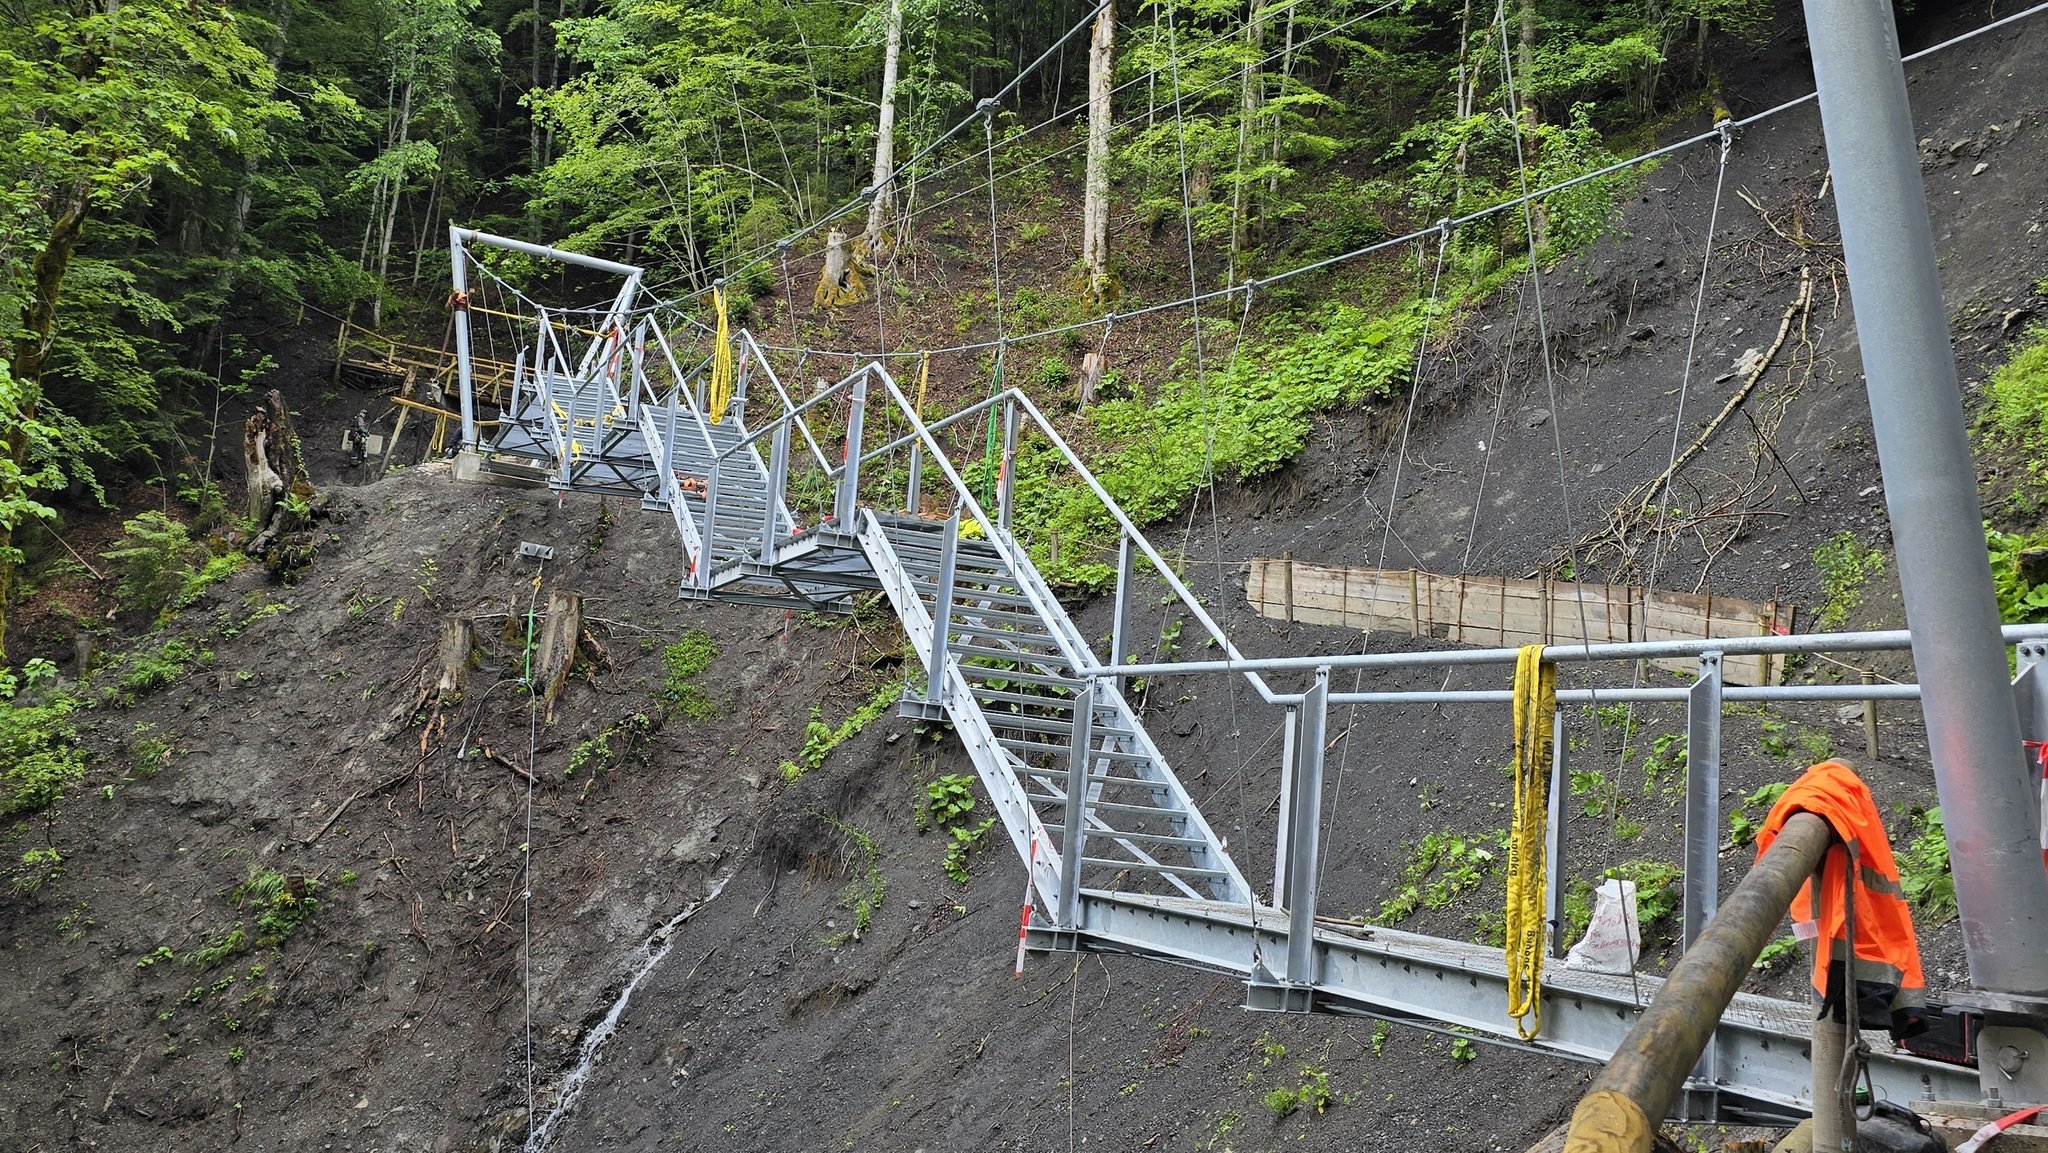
681	663
39	753
1923	867
820	738
2020	601
2018	391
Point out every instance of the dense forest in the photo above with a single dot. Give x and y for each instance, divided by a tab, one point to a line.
189	178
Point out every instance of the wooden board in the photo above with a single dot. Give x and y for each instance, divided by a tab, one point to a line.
1502	612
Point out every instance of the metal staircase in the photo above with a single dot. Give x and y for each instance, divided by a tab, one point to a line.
789	502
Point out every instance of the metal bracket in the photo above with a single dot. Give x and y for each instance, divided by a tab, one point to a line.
539	552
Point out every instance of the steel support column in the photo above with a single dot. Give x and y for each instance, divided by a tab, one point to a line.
1554	880
1931	495
1304	828
1288	745
462	356
778	471
1006	478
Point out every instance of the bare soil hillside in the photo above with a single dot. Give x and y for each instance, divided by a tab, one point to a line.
294	906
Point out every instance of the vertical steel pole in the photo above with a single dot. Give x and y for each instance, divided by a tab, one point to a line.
1702	798
668	448
849	473
942	612
771	514
1287	751
1120	621
916	478
1078	759
1931	494
1304	832
710	551
1554	880
1006	480
462	359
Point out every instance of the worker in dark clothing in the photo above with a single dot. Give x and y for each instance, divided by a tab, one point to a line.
359	438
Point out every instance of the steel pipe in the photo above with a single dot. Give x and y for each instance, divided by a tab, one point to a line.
1644	1078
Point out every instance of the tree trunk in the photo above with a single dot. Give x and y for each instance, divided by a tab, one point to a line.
397	184
1525	61
1095	209
31	350
1250	98
883	210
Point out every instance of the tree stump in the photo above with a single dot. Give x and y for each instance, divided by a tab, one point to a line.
1092	368
559	639
457	655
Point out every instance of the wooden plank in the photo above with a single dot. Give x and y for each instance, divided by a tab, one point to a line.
1499	611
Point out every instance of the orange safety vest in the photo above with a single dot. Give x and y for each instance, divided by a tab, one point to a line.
1889	984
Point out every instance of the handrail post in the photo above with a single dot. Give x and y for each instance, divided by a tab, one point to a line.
738	407
1304	830
710	549
1289	745
1702	876
668	443
778	468
1554	839
942	613
849	472
632	389
1006	479
1120	628
910	492
1079	757
1702	798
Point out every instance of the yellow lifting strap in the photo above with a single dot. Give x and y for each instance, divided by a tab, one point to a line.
721	361
1535	711
924	381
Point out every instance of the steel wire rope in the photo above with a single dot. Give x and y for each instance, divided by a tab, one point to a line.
526	848
1387	520
1018	137
1187	215
1520	201
1151	109
658	302
747	262
995	256
1514	109
1661	534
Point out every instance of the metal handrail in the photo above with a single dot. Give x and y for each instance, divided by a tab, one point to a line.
788	405
1873	641
792	415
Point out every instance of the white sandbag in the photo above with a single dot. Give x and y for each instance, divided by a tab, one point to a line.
1613	938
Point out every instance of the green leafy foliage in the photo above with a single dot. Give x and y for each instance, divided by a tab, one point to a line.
1845	567
280	903
1742	827
681	663
2019	390
2019	601
1442	867
865	892
1781	951
39	753
820	738
159	567
1923	867
1311	1091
